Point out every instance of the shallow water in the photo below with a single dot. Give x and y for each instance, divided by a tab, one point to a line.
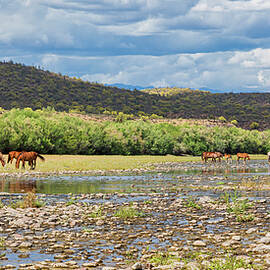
196	174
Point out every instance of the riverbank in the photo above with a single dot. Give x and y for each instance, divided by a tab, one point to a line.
182	215
135	231
73	164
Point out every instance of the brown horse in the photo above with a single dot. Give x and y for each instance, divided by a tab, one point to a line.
31	157
2	160
213	155
228	157
12	155
244	156
219	156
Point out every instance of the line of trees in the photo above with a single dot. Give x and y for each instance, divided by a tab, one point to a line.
48	132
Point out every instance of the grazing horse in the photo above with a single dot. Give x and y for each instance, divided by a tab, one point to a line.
28	156
2	160
219	156
212	155
12	155
244	156
228	157
15	154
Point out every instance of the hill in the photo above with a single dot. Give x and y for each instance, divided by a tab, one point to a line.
27	86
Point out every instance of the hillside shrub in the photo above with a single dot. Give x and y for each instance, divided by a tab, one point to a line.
49	132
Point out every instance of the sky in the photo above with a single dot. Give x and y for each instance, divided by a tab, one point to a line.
217	44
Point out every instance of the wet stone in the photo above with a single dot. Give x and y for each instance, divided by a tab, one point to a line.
71	239
199	243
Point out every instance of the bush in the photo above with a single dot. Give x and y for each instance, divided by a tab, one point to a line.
49	132
254	125
234	122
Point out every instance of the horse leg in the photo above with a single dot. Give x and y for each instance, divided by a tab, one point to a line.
30	164
34	164
23	164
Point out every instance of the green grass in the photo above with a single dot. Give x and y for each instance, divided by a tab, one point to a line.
230	263
244	218
71	202
190	202
163	259
127	212
30	200
220	183
148	202
237	206
96	213
87	230
228	197
60	163
2	243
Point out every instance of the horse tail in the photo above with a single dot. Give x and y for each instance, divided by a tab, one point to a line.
18	160
41	157
3	162
9	158
202	156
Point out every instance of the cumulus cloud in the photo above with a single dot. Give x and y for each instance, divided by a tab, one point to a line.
220	71
113	27
190	43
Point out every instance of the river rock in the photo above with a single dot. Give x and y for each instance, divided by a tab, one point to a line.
261	248
137	266
251	230
265	240
205	199
193	266
199	243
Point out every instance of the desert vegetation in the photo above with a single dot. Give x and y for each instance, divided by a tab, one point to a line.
49	132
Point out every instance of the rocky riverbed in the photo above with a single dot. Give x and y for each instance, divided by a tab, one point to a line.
205	220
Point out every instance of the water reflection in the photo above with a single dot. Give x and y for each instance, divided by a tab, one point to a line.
216	171
17	186
155	182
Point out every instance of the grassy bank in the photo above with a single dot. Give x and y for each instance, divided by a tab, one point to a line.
59	163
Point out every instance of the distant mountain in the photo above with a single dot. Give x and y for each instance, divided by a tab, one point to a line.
230	91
